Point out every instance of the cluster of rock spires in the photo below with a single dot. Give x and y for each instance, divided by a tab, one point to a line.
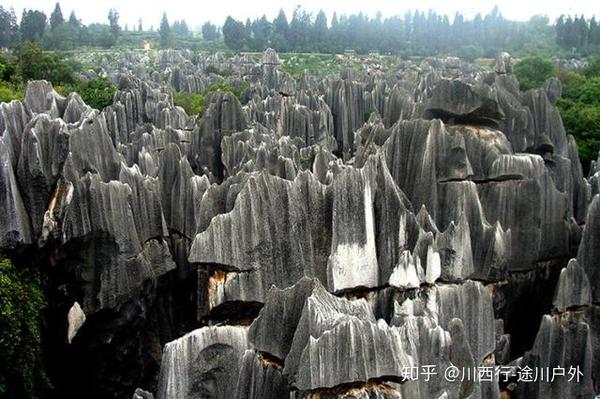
317	238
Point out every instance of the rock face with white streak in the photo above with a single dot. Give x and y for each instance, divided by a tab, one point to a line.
75	319
353	259
203	362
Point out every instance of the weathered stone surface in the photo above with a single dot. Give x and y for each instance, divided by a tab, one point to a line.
353	259
573	288
203	362
141	394
377	352
281	243
568	343
321	313
274	328
345	99
503	63
75	319
260	378
589	250
463	103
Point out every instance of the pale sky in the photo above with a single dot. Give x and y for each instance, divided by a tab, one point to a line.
195	12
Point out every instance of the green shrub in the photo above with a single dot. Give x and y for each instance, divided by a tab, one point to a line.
580	112
8	93
97	93
190	102
8	70
21	303
193	103
592	69
532	72
35	64
590	92
572	83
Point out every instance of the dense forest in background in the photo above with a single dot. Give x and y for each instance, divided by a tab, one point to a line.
415	34
412	34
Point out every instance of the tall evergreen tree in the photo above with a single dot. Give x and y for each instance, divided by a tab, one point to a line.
320	31
594	35
180	28
261	32
56	18
234	34
334	33
9	30
281	33
73	21
209	31
33	25
113	19
165	31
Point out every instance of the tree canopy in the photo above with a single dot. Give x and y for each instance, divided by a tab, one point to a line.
532	72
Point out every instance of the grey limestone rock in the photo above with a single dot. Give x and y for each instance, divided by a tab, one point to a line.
268	235
589	249
141	394
503	63
566	342
274	328
573	288
461	102
260	378
75	320
204	362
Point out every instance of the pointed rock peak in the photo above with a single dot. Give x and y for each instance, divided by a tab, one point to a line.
426	221
503	63
270	57
573	288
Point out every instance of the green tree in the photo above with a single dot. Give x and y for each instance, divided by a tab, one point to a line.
100	35
300	29
21	303
63	37
34	64
8	93
234	34
592	69
209	31
33	25
73	21
532	72
56	18
261	32
280	33
320	31
180	28
165	32
580	111
113	20
9	30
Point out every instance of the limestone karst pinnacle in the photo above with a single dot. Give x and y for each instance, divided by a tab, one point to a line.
311	237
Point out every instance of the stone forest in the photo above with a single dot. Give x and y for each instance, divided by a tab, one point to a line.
418	231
